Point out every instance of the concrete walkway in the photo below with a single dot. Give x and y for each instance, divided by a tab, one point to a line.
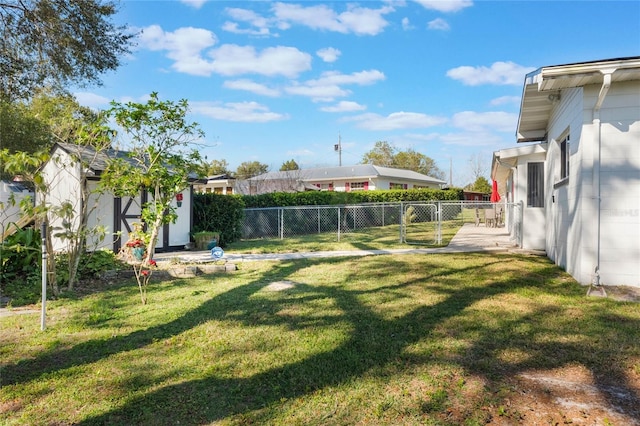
470	238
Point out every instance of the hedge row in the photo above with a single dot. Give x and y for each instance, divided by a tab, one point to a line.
282	199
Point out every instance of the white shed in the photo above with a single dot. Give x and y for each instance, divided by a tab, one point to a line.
65	177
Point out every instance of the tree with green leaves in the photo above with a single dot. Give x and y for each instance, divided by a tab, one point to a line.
161	158
289	165
217	167
56	43
85	135
249	169
382	154
481	184
29	167
21	129
385	154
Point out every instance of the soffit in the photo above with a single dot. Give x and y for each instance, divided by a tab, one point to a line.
542	89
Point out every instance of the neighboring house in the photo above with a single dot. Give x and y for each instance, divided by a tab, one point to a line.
65	178
361	177
11	194
217	184
579	183
475	196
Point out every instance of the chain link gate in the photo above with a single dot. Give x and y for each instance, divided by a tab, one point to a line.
420	223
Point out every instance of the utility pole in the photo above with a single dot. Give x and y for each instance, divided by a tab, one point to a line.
338	147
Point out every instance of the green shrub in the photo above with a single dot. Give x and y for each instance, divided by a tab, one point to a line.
91	265
20	260
219	213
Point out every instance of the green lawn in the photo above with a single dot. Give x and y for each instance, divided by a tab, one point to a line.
411	339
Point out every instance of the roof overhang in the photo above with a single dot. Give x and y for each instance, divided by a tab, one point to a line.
542	90
505	159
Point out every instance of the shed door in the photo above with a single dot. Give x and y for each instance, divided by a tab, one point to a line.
126	211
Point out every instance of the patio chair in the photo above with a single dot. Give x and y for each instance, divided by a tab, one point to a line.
490	217
477	217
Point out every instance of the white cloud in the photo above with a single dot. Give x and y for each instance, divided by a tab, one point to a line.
185	47
329	54
439	24
497	121
502	100
250	17
406	24
445	5
196	4
357	20
325	93
91	100
344	106
231	59
246	112
328	86
396	120
361	78
501	73
251	86
233	27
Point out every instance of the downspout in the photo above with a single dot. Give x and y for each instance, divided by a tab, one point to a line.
606	84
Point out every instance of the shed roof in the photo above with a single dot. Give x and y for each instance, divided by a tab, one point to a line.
97	161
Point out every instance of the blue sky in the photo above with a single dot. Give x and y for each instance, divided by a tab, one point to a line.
274	81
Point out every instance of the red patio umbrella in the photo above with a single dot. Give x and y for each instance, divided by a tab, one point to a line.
495	196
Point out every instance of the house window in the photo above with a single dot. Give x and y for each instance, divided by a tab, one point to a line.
359	186
397	185
535	184
564	158
324	186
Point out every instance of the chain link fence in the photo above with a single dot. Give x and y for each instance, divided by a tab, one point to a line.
412	222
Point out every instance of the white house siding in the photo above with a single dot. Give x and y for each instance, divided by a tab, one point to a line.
179	232
100	214
564	204
620	184
572	208
62	180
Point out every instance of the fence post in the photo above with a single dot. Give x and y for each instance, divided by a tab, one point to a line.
439	218
281	223
521	224
401	227
339	221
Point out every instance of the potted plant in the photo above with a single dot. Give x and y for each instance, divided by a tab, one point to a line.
204	238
